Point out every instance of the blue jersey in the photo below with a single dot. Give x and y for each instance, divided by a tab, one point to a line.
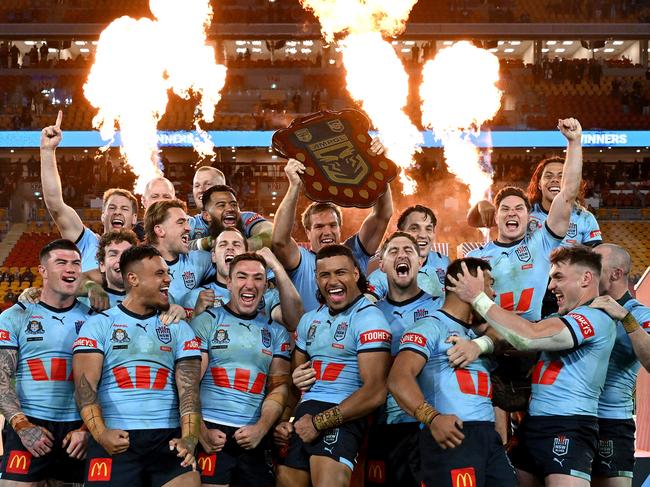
114	297
583	227
269	301
400	317
199	228
332	342
465	392
617	399
304	276
43	337
569	382
431	277
240	350
137	389
520	270
88	243
188	271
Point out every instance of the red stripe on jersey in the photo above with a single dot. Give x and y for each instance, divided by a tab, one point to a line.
483	384
37	369
142	376
122	378
58	369
465	382
551	373
537	373
220	377
161	379
258	385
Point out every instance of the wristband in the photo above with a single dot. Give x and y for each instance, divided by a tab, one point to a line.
482	303
20	422
629	323
485	344
328	419
425	413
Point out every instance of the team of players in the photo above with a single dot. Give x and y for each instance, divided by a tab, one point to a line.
146	398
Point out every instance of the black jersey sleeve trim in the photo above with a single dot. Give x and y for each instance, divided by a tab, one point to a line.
414	350
301	350
365	350
288	359
87	351
8	347
182	359
289	271
553	234
573	333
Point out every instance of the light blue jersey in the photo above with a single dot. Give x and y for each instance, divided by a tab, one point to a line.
188	271
114	297
137	389
520	270
617	399
304	276
583	227
332	341
569	382
240	350
402	316
199	228
465	392
431	277
43	337
88	243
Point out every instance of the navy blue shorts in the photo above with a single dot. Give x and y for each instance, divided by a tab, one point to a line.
393	456
615	454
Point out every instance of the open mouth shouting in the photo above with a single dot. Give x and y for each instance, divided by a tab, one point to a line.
69	279
336	294
117	222
560	298
512	224
185	238
164	290
402	269
328	240
246	298
553	189
229	256
229	219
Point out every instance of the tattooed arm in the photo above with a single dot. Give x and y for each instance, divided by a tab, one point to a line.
188	379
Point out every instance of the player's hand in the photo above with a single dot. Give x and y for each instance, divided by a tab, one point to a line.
293	170
609	306
76	442
446	430
486	212
212	440
185	447
248	437
466	286
570	128
282	433
305	429
174	314
206	300
37	440
114	441
97	296
304	376
31	295
376	147
463	353
51	136
270	258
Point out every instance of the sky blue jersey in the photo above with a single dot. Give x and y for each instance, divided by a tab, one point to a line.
114	297
188	271
583	227
88	243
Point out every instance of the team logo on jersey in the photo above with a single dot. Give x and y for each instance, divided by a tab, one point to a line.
221	336
164	334
120	336
606	448
312	331
573	230
266	337
78	325
441	275
523	254
189	279
331	437
560	445
420	313
34	327
341	331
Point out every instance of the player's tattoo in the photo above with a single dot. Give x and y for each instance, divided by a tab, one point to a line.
30	436
188	379
9	404
85	393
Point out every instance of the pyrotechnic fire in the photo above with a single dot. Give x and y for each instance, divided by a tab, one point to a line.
136	64
459	94
375	75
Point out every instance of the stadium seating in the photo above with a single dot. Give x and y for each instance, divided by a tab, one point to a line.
635	237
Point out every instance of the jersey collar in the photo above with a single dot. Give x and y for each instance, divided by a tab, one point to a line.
406	301
625	298
136	315
453	318
334	313
511	244
58	310
251	316
113	291
173	261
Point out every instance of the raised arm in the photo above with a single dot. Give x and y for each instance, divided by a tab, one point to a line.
481	215
374	226
283	245
560	212
261	236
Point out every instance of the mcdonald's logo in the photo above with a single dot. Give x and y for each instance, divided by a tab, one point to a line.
376	470
99	469
207	464
463	477
18	462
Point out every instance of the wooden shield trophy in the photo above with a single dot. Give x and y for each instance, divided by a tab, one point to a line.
335	148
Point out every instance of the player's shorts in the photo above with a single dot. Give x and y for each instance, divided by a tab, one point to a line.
341	444
393	456
147	463
556	445
479	460
19	465
233	464
615	454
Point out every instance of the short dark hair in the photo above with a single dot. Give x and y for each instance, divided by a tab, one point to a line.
401	221
231	229
120	192
59	244
578	255
219	188
395	235
510	191
117	236
334	250
156	214
136	254
252	256
319	208
472	263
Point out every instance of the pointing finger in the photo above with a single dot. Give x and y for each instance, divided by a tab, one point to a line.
59	119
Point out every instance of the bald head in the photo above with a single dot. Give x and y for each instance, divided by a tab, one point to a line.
616	268
204	178
615	257
158	189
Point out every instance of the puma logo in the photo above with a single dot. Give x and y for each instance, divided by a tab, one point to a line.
144	327
59	319
559	461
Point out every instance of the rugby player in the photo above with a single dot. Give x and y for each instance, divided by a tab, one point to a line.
246	359
347	343
557	440
134	377
44	440
157	189
459	444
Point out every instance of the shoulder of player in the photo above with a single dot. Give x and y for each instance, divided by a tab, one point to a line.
638	310
16	313
199	256
589	313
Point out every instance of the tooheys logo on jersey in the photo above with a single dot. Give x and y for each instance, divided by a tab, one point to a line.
4	336
192	344
84	342
595	234
252	218
414	338
586	328
375	336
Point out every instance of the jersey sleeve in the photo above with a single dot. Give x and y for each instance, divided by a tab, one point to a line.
202	261
360	253
201	325
301	333
87	244
641	314
189	299
10	324
187	344
250	219
378	284
582	324
281	341
92	336
547	239
372	331
271	301
591	234
421	337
